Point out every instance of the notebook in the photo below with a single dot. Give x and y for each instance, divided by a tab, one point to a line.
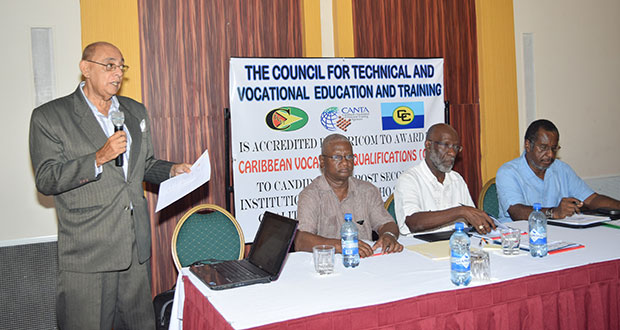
264	264
579	221
439	235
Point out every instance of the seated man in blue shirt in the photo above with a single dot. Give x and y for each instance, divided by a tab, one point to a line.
537	177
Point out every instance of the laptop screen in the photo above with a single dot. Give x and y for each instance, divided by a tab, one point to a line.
272	242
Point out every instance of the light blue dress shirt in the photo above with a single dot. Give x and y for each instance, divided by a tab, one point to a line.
517	184
108	128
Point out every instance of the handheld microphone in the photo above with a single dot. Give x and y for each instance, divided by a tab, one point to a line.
118	119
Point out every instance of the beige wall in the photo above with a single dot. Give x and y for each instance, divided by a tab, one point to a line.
576	78
498	85
25	213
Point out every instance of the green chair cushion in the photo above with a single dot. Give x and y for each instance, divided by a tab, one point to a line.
207	236
490	203
391	210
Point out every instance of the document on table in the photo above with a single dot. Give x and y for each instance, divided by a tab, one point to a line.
176	187
494	233
438	250
580	219
613	224
552	247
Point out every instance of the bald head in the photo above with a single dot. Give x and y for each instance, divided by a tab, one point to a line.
90	50
436	131
332	138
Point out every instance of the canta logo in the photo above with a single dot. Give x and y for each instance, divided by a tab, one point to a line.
286	119
334	118
331	120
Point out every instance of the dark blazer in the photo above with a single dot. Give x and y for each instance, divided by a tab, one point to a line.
96	226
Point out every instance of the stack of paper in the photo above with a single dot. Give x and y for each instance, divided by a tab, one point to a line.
435	250
613	224
552	247
579	220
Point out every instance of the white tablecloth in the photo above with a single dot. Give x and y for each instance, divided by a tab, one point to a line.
300	291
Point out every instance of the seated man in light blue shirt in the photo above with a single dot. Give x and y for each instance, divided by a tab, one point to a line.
537	177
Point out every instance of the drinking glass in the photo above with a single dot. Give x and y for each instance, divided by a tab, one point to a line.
480	265
323	259
511	239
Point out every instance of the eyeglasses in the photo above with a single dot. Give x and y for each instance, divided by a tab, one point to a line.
111	66
442	145
545	148
339	158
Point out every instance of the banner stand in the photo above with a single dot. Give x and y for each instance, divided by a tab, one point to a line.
281	109
228	182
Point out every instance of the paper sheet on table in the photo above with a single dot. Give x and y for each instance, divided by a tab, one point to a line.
580	219
613	224
552	246
494	234
174	188
438	250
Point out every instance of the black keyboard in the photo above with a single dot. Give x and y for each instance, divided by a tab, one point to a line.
235	271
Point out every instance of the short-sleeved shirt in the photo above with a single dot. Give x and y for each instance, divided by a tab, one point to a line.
518	184
418	190
320	212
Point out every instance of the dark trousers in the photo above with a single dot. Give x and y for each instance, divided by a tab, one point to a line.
119	299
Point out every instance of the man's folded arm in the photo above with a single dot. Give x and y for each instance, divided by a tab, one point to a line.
520	211
596	201
428	220
304	241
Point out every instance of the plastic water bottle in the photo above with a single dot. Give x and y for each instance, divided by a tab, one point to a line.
348	236
460	268
537	228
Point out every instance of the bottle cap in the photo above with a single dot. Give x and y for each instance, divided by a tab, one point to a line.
536	206
348	217
459	226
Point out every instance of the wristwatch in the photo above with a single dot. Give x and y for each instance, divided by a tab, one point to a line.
391	234
549	213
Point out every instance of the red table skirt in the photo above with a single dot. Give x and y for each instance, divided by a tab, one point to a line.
584	297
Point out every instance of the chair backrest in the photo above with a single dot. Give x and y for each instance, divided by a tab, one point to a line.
389	206
206	232
487	201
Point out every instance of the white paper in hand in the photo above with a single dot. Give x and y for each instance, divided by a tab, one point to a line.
174	188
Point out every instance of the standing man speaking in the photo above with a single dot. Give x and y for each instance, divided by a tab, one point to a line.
104	242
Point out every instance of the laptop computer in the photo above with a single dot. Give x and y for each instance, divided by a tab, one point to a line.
264	264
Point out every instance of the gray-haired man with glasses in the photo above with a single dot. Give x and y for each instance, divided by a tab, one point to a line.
323	203
538	177
431	196
104	233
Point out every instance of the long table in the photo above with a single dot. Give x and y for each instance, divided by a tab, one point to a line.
407	290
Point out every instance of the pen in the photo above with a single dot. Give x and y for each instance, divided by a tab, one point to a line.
569	248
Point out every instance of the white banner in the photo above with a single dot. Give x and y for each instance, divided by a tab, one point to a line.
282	108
